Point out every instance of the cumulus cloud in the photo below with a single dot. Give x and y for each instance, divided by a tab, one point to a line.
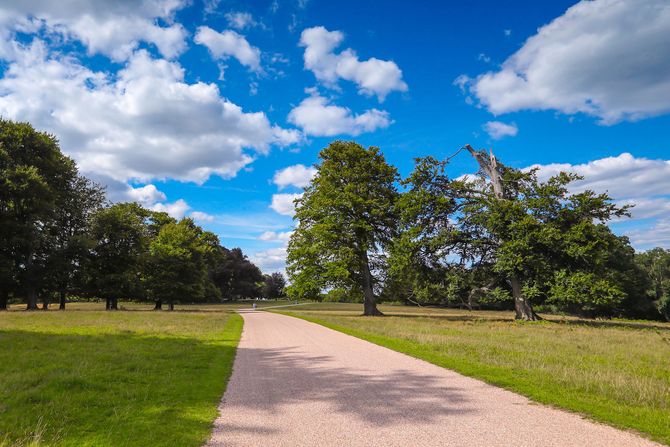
297	175
146	195
498	129
271	260
629	180
240	20
143	123
176	209
316	116
225	44
657	235
112	28
283	203
623	176
275	236
202	217
605	58
373	76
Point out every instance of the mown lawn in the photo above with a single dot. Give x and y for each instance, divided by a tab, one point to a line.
617	372
127	378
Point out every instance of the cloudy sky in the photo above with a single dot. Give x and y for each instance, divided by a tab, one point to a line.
217	109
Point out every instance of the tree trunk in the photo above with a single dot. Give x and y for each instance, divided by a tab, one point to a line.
171	305
4	298
158	305
61	300
369	301
523	309
108	303
31	298
45	302
115	304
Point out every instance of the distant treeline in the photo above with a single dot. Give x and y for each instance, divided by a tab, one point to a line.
60	236
499	239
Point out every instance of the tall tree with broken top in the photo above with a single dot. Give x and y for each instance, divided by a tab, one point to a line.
346	218
547	242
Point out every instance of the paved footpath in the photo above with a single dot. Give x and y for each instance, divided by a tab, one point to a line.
296	383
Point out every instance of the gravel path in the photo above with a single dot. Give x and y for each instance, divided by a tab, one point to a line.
296	383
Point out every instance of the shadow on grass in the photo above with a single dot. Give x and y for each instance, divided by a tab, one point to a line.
110	390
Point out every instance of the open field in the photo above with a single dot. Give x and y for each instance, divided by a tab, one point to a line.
90	377
615	371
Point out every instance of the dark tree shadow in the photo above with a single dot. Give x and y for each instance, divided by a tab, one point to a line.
287	376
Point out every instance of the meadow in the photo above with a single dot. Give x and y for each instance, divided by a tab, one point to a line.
613	371
126	378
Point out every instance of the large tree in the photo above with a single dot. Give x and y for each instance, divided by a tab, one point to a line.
120	242
176	268
546	241
274	285
34	178
346	219
534	238
69	239
655	264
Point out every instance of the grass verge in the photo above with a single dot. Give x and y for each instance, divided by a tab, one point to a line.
616	372
113	378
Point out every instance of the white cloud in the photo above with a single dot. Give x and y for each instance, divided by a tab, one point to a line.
373	76
271	260
112	28
202	217
606	58
240	20
498	129
225	44
317	117
629	180
623	177
145	195
656	236
175	209
145	122
275	236
297	175
283	203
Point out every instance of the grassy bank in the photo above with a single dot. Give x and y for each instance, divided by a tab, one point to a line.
90	377
617	371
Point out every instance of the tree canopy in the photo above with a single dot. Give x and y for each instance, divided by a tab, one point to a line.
61	237
346	218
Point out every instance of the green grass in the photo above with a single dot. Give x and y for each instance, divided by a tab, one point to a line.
617	372
94	378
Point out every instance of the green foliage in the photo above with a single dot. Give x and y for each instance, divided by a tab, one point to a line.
274	286
38	188
664	306
585	292
655	267
522	233
346	218
236	276
176	269
342	296
120	245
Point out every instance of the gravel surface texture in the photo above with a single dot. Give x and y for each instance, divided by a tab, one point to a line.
296	383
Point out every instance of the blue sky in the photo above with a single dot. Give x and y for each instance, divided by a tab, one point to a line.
218	109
